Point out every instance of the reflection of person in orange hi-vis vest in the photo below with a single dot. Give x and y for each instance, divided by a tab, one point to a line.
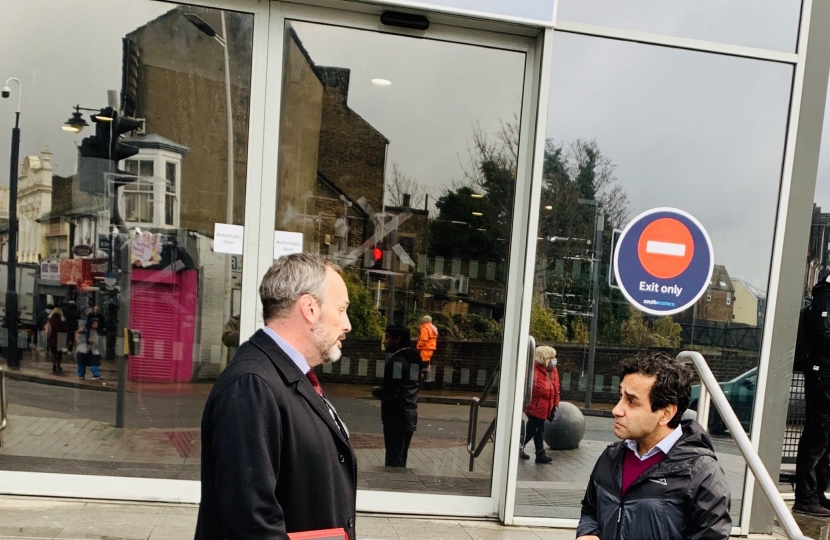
427	343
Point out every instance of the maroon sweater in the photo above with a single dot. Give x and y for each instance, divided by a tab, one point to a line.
633	468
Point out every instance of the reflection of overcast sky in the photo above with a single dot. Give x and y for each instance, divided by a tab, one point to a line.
711	125
704	133
764	24
438	91
65	52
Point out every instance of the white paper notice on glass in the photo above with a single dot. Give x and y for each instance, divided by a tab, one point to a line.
228	238
286	243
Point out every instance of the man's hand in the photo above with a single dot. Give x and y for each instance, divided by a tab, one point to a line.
592	537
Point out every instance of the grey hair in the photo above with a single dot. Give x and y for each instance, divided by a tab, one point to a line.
426	318
288	279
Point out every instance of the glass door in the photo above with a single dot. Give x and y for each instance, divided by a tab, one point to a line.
398	157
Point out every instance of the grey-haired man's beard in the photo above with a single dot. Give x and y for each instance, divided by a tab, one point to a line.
328	352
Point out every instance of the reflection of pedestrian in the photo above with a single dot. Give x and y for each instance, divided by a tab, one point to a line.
544	399
276	457
230	333
96	313
427	343
88	353
55	326
398	395
42	319
811	469
71	314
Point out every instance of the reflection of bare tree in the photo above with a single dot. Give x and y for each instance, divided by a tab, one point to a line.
582	155
399	184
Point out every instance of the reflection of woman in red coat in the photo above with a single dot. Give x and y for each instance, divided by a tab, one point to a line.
544	400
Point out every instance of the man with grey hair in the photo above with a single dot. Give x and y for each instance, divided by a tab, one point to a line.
276	457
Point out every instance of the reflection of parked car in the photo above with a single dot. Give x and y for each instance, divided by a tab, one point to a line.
740	392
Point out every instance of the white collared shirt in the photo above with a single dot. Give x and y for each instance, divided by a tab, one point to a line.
292	353
663	446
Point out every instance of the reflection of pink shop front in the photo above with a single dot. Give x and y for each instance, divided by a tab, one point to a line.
163	309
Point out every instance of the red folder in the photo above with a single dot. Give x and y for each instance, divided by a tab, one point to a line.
323	534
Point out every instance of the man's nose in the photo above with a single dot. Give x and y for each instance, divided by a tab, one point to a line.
617	410
348	326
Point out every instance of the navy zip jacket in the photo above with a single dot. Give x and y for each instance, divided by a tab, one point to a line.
685	496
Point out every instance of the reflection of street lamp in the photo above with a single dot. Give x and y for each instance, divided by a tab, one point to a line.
13	355
208	30
599	224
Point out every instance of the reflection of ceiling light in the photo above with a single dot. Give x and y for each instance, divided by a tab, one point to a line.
476	195
549	207
381	82
482	230
477	214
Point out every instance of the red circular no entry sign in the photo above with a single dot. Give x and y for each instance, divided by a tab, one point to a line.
665	248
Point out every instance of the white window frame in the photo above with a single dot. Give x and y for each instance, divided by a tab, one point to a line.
260	207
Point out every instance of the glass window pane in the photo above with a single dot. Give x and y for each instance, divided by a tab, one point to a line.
146	168
118	250
398	160
701	133
170	176
764	25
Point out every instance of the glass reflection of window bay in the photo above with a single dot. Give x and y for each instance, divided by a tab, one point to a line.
397	159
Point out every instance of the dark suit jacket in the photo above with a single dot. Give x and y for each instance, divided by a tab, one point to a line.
274	460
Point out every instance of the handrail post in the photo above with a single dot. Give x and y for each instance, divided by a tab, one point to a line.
3	405
472	431
770	489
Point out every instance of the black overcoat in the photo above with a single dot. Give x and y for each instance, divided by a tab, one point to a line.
274	459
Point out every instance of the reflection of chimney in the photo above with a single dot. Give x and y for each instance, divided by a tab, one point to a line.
406	198
337	79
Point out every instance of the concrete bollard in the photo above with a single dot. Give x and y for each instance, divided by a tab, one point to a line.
567	428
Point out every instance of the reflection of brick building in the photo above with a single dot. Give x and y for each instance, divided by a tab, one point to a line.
717	304
818	255
174	78
332	166
750	303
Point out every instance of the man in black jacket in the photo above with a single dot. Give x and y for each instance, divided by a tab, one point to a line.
662	481
399	395
811	468
276	457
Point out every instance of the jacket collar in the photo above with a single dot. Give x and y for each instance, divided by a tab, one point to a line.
293	376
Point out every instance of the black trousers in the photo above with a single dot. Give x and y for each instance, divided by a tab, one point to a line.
811	466
397	446
535	429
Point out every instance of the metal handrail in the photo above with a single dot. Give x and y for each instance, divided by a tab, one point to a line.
472	428
3	404
710	384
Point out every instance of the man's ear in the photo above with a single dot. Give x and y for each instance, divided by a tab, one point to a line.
668	413
308	308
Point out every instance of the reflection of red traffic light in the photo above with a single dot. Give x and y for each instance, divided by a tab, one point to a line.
377	258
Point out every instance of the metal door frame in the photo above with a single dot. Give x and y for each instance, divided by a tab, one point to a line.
450	28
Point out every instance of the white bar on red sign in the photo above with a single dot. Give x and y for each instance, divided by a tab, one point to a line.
665	248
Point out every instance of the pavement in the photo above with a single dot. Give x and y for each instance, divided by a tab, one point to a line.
42	518
68	428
